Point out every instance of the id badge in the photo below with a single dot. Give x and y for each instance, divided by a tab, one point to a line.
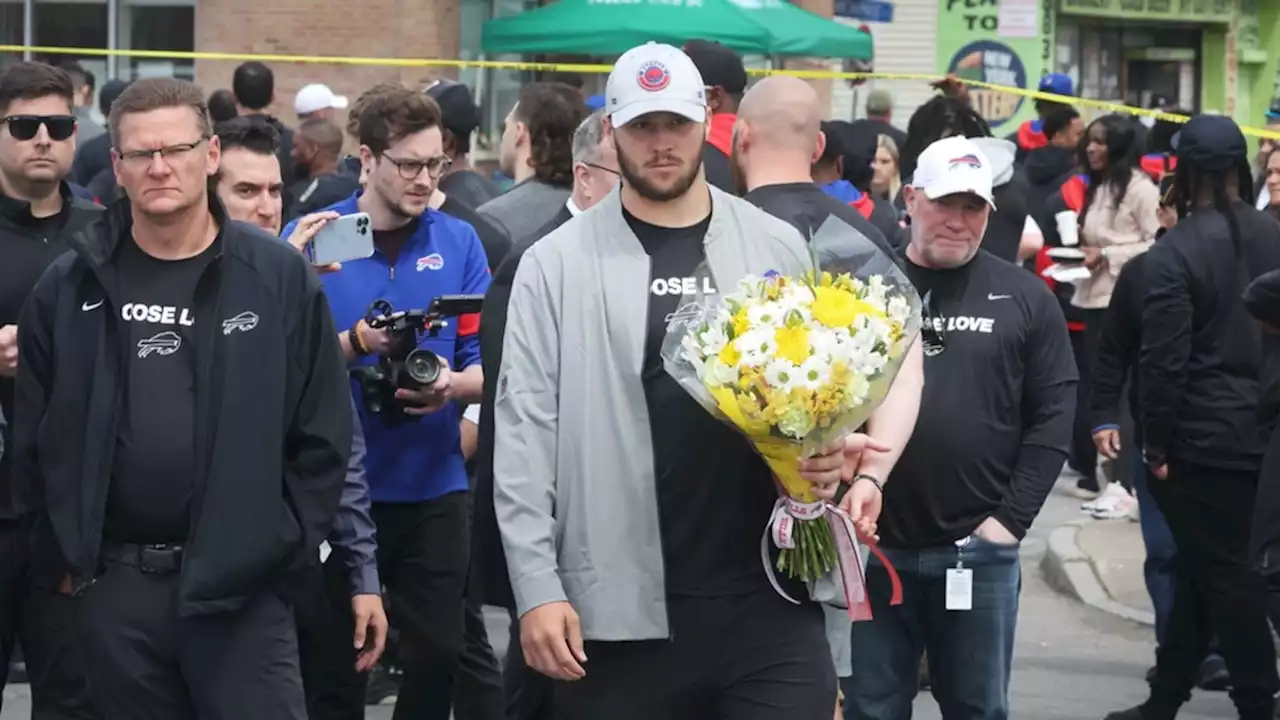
960	589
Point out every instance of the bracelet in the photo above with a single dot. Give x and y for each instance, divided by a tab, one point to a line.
357	343
875	481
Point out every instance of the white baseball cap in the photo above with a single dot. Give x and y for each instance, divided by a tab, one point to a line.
954	166
655	78
317	97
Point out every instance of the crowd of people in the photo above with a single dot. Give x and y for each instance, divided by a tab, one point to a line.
214	503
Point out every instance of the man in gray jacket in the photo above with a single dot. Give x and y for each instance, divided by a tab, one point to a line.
630	516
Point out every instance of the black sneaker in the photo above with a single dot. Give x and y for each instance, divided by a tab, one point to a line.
1214	675
1133	713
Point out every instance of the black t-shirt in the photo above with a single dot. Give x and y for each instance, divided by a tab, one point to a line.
715	493
153	473
317	193
1005	365
1009	220
805	207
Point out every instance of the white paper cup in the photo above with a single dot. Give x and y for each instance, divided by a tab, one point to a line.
1068	229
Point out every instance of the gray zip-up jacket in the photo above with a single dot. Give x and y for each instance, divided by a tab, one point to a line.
574	488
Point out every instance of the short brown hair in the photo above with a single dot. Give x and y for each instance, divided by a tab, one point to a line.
552	113
31	80
357	107
156	94
395	114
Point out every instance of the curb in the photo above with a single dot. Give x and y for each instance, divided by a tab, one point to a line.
1067	569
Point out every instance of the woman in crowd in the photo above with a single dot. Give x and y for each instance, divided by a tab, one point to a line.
1117	222
886	182
1271	181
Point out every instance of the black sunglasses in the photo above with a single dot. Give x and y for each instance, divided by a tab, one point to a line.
25	127
933	329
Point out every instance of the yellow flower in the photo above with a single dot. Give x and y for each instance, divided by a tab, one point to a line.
793	343
729	355
834	308
740	323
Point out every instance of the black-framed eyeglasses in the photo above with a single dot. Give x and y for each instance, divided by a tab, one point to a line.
933	330
167	153
411	169
611	171
25	127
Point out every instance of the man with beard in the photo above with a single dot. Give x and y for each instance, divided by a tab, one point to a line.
536	153
631	516
415	466
38	216
595	175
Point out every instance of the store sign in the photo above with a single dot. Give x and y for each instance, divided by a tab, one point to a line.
993	62
1147	10
880	11
973	45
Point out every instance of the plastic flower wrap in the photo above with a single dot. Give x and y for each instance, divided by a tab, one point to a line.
796	362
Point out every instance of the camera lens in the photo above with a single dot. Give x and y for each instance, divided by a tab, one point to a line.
423	366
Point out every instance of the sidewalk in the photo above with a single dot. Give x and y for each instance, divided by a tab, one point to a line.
1099	562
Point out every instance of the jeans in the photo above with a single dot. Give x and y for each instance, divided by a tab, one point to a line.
1162	553
970	653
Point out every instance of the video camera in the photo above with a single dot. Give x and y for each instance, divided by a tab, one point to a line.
406	365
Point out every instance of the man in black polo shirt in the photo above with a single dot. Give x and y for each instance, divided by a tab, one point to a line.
37	216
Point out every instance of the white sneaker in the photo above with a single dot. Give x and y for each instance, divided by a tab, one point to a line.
1117	503
1110	495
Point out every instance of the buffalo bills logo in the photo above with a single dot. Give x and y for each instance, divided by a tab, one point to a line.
970	160
653	76
431	262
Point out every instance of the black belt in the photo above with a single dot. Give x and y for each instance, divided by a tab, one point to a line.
150	559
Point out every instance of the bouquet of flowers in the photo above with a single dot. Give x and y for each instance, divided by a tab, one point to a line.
796	363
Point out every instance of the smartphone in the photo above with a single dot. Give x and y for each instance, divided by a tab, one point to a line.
349	237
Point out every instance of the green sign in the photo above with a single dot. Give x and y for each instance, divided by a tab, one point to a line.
1202	11
973	46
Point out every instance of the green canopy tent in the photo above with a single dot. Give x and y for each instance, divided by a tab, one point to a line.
796	31
611	27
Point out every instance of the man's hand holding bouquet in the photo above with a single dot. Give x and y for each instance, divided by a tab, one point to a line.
797	364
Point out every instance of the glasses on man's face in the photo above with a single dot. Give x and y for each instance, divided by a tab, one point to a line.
168	153
611	171
411	169
933	331
25	127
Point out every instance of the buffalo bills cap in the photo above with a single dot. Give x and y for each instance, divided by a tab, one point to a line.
315	97
654	78
954	166
1058	84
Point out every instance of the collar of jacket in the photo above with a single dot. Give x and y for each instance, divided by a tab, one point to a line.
18	211
97	243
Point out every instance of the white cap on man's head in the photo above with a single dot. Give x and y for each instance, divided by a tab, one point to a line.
954	166
654	78
317	97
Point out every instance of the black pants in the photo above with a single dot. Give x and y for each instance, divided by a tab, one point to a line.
325	632
1084	456
528	692
42	620
1208	511
147	663
477	693
755	657
423	552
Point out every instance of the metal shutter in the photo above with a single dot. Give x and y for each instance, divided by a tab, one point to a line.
906	45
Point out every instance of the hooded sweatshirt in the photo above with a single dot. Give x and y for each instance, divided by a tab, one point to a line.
1010	189
1046	170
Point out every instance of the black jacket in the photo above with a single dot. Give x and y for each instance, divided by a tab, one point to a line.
1119	340
27	247
272	406
487	550
715	166
1046	169
1202	354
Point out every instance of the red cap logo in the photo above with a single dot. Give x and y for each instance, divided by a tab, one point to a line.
653	76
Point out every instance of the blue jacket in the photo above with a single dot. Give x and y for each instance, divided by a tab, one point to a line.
418	460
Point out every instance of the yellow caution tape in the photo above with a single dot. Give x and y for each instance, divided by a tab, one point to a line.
593	68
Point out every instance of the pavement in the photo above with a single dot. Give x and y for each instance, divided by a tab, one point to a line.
1082	648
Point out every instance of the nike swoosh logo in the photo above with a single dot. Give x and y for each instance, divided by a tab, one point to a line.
91	306
993	296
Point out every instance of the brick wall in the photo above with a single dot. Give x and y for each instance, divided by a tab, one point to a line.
370	28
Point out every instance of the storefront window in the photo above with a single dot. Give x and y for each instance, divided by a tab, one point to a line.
11	15
501	88
157	27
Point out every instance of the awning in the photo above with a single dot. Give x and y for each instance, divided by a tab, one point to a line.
611	27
